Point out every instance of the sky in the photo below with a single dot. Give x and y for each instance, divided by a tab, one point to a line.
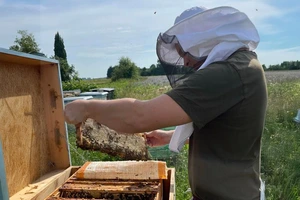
97	33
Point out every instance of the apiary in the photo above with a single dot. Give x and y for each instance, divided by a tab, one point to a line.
34	150
116	180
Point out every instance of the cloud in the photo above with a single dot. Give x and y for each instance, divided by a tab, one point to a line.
26	7
113	50
277	56
100	32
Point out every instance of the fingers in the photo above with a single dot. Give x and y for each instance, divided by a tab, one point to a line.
69	118
149	143
149	138
74	112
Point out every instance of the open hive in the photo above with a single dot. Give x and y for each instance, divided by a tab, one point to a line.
34	149
115	180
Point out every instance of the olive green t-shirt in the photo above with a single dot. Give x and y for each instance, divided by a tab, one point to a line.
227	103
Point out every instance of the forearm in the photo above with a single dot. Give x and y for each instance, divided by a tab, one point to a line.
128	115
122	115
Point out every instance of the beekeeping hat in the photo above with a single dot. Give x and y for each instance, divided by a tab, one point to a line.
205	34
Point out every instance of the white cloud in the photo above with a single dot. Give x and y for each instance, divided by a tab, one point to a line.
277	56
100	32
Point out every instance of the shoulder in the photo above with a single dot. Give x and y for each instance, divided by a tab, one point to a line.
215	73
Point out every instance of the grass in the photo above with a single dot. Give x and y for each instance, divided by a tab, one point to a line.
280	142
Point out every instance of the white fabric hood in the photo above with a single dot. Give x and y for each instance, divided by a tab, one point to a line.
211	33
215	33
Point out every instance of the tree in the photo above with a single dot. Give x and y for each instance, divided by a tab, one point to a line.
109	72
67	72
59	47
125	69
144	72
25	43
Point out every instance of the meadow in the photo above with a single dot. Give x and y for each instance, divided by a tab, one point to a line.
280	163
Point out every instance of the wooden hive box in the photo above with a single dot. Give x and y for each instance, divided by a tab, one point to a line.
34	150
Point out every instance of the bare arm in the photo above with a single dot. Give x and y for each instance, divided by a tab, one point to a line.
129	115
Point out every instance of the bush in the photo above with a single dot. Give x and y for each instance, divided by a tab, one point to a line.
84	86
125	69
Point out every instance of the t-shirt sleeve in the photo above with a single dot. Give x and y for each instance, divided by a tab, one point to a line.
208	93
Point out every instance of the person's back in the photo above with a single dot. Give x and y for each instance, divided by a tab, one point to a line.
227	103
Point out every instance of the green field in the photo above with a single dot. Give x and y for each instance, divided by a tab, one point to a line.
280	143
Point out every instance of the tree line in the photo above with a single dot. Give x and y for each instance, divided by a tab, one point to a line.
126	68
286	65
26	43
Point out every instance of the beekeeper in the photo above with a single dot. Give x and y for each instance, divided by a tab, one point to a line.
217	103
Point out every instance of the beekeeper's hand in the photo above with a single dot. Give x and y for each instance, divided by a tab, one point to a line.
158	137
76	112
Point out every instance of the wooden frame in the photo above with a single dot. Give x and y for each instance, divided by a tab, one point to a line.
166	187
47	185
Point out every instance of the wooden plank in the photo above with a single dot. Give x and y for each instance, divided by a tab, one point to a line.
160	193
23	58
53	105
23	130
73	180
130	170
43	187
74	169
172	192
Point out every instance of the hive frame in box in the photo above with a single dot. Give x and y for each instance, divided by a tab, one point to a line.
167	186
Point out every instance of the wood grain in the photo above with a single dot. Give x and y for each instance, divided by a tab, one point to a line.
23	129
44	186
54	117
32	122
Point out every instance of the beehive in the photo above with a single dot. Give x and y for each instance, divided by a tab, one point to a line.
35	149
116	180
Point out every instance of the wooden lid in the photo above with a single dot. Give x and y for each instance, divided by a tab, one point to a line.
32	130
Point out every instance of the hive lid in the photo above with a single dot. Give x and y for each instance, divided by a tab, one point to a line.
33	130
